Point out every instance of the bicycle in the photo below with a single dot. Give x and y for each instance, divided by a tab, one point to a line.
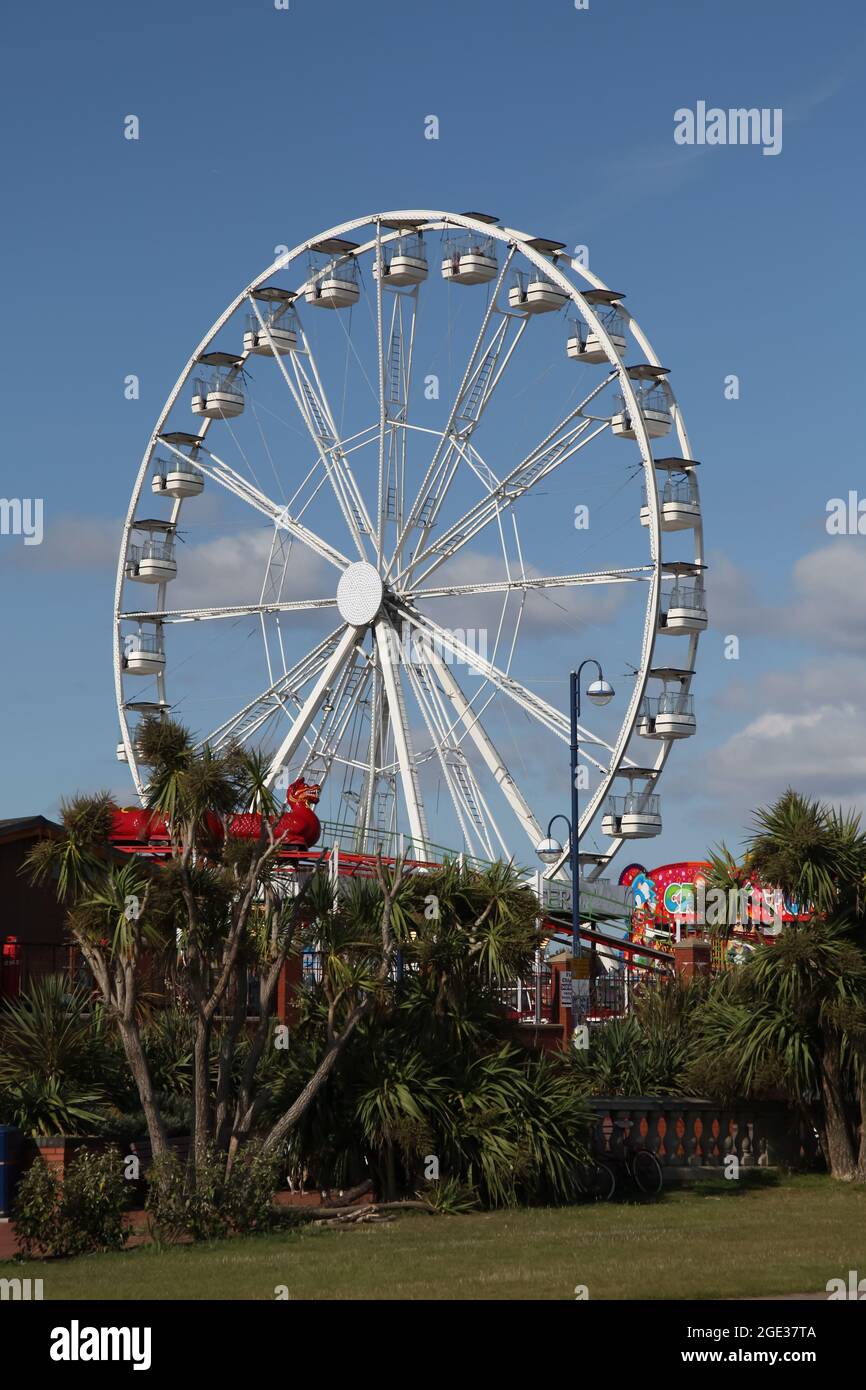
599	1180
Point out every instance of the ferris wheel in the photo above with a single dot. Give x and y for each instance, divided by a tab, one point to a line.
373	542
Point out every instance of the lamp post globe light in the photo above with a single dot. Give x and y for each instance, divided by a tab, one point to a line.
549	849
600	692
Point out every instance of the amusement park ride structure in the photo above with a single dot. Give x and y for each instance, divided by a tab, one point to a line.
392	507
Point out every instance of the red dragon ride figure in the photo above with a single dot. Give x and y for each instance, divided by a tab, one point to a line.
299	822
298	826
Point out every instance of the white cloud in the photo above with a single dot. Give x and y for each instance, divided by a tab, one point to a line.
732	599
819	751
827	604
70	542
230	570
830	601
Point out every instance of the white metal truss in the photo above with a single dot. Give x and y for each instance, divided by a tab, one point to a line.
344	703
387	642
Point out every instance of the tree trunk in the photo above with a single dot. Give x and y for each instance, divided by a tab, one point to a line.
247	1107
299	1107
201	1092
390	1172
337	1042
118	986
861	1156
132	1046
840	1151
225	1103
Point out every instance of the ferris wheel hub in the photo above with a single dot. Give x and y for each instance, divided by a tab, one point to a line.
359	594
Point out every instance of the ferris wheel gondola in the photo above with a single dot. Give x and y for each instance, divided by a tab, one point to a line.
389	508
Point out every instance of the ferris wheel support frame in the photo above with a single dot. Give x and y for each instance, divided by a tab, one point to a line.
335	464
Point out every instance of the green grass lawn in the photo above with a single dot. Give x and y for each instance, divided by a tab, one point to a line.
714	1240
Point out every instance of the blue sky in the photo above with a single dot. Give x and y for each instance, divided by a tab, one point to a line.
260	127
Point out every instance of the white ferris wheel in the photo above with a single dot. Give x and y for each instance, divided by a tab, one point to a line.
373	542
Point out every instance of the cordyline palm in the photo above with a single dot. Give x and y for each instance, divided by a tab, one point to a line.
358	944
108	916
222	892
798	1005
468	931
516	1126
397	1104
77	859
55	1060
731	878
813	852
632	1057
428	1071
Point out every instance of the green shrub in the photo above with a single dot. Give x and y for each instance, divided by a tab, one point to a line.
204	1203
36	1211
60	1071
248	1197
126	1128
81	1214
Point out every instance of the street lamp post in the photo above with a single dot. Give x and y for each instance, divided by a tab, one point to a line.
600	692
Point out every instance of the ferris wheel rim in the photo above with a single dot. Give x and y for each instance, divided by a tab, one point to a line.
520	241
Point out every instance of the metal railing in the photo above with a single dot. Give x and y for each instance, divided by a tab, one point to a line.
684	596
151	550
185	467
676	490
466	243
346	836
680	490
524	278
530	999
634	804
223	381
611	319
345	270
283	318
654	396
405	246
671	702
139	642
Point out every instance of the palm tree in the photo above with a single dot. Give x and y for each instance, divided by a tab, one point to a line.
108	917
813	852
800	1003
56	1061
216	894
732	879
792	1012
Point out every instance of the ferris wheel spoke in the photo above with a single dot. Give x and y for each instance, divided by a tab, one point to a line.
547	715
487	749
634	575
398	380
387	643
275	698
572	433
383	414
531	471
234	482
473	403
314	701
243	610
442	752
324	746
480	378
308	394
477	819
